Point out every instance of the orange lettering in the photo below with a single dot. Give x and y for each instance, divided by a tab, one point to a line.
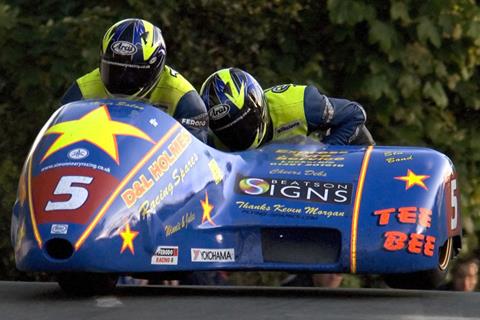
160	166
147	183
407	215
129	197
425	217
429	246
164	161
154	169
175	147
416	243
184	139
384	215
139	190
394	240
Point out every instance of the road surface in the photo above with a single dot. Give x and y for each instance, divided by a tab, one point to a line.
27	300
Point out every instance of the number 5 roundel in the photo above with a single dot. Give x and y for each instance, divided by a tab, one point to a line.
70	195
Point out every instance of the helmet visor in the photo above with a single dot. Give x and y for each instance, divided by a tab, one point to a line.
127	79
242	133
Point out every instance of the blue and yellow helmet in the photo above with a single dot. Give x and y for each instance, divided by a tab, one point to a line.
237	108
132	58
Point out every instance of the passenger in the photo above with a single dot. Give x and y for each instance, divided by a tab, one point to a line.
242	116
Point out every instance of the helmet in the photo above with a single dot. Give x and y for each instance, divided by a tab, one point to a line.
237	108
132	58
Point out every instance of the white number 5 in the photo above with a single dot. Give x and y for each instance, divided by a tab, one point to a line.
78	195
454	204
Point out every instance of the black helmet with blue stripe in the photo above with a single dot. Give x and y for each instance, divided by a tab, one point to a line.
133	55
237	108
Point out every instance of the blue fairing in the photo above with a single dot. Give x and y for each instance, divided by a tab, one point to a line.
118	186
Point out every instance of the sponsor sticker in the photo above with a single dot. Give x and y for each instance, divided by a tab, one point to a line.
212	255
194	123
78	154
281	88
165	255
59	229
318	191
124	48
288	126
218	111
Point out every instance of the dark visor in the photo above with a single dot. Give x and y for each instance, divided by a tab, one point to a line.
126	79
241	135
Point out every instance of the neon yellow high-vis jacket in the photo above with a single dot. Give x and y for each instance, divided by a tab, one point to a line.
301	110
173	94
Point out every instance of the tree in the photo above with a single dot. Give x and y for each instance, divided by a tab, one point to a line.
412	65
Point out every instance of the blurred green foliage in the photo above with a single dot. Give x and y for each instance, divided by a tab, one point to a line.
413	65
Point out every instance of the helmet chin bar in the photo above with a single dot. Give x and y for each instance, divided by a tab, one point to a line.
122	96
258	138
135	96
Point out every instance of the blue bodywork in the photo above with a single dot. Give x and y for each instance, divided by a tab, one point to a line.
157	199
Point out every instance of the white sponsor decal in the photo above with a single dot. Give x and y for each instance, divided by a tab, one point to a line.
59	229
124	48
78	154
213	255
218	111
154	122
281	88
194	123
165	255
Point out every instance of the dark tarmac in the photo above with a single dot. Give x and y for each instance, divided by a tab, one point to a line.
26	300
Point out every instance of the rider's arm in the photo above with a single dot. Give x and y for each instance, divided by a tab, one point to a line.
341	116
364	137
192	114
73	94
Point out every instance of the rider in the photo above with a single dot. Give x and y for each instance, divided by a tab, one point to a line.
243	116
132	66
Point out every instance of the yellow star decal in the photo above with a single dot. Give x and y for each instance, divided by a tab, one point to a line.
96	127
207	209
128	236
413	179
